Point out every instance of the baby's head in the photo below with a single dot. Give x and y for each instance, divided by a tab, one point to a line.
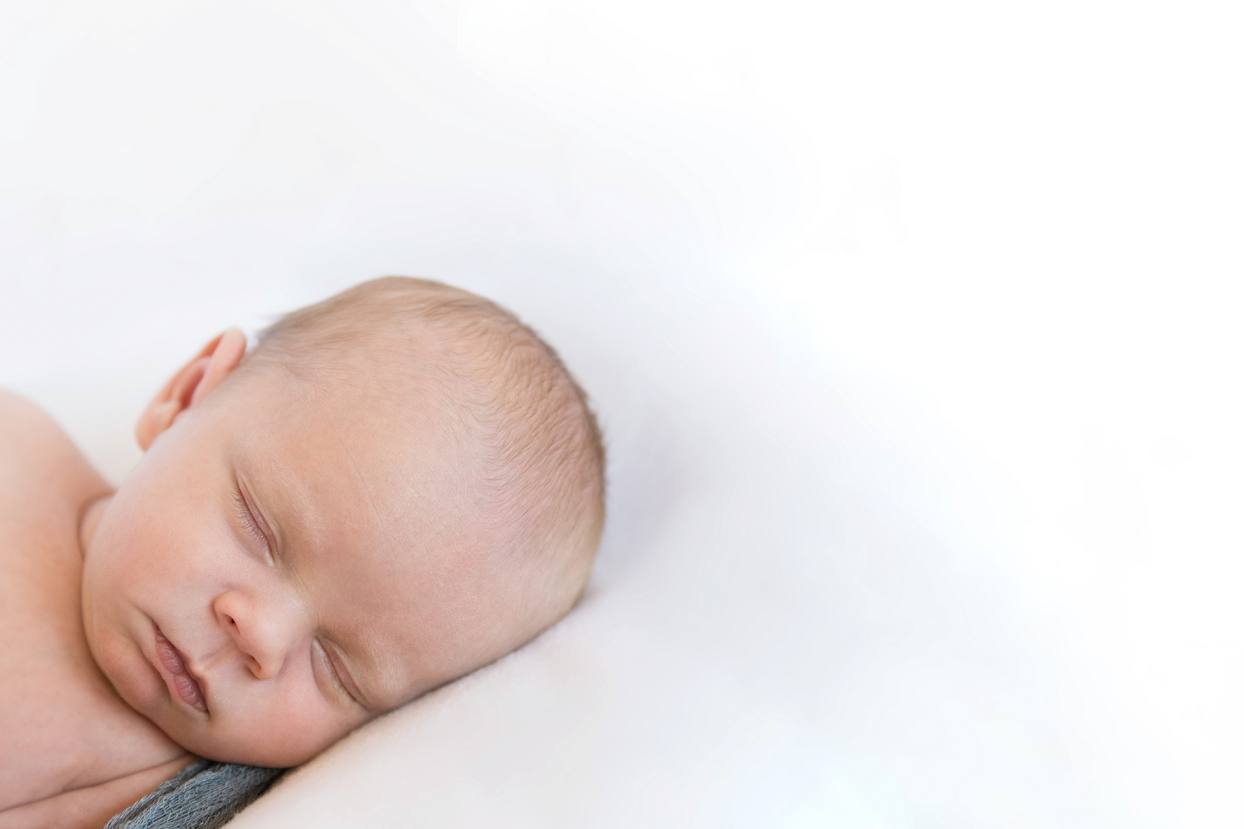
394	487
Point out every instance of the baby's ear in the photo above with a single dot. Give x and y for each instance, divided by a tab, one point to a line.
204	372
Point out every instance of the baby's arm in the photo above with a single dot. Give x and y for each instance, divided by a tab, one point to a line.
91	807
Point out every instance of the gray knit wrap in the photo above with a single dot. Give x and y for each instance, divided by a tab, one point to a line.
203	795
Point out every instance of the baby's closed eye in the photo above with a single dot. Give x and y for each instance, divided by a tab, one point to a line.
248	520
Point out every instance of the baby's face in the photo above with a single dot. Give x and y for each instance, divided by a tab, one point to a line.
372	590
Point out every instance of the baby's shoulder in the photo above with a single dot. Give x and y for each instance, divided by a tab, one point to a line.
34	444
24	421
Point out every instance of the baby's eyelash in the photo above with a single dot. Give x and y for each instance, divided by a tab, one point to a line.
245	514
332	671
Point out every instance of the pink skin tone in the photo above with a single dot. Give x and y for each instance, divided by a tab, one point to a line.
376	578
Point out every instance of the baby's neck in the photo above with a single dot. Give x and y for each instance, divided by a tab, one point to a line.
88	519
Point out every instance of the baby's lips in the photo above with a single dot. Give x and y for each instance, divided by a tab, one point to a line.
183	681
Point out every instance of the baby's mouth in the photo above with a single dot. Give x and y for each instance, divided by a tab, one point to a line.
187	686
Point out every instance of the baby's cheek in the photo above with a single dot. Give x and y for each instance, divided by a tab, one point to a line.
278	735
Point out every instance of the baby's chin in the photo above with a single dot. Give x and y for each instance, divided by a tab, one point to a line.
251	751
247	743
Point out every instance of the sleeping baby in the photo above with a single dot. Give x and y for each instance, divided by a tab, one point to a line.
389	489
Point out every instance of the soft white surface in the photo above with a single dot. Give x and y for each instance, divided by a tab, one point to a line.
911	328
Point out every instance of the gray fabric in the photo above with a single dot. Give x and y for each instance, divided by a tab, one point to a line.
203	795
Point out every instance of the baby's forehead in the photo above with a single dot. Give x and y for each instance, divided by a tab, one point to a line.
357	463
368	445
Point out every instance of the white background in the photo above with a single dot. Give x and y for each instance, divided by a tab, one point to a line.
913	330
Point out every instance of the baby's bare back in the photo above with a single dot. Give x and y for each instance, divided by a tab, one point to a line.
72	752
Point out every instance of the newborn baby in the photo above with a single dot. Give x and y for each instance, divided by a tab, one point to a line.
392	488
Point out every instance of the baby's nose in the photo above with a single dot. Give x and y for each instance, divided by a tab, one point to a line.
261	635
